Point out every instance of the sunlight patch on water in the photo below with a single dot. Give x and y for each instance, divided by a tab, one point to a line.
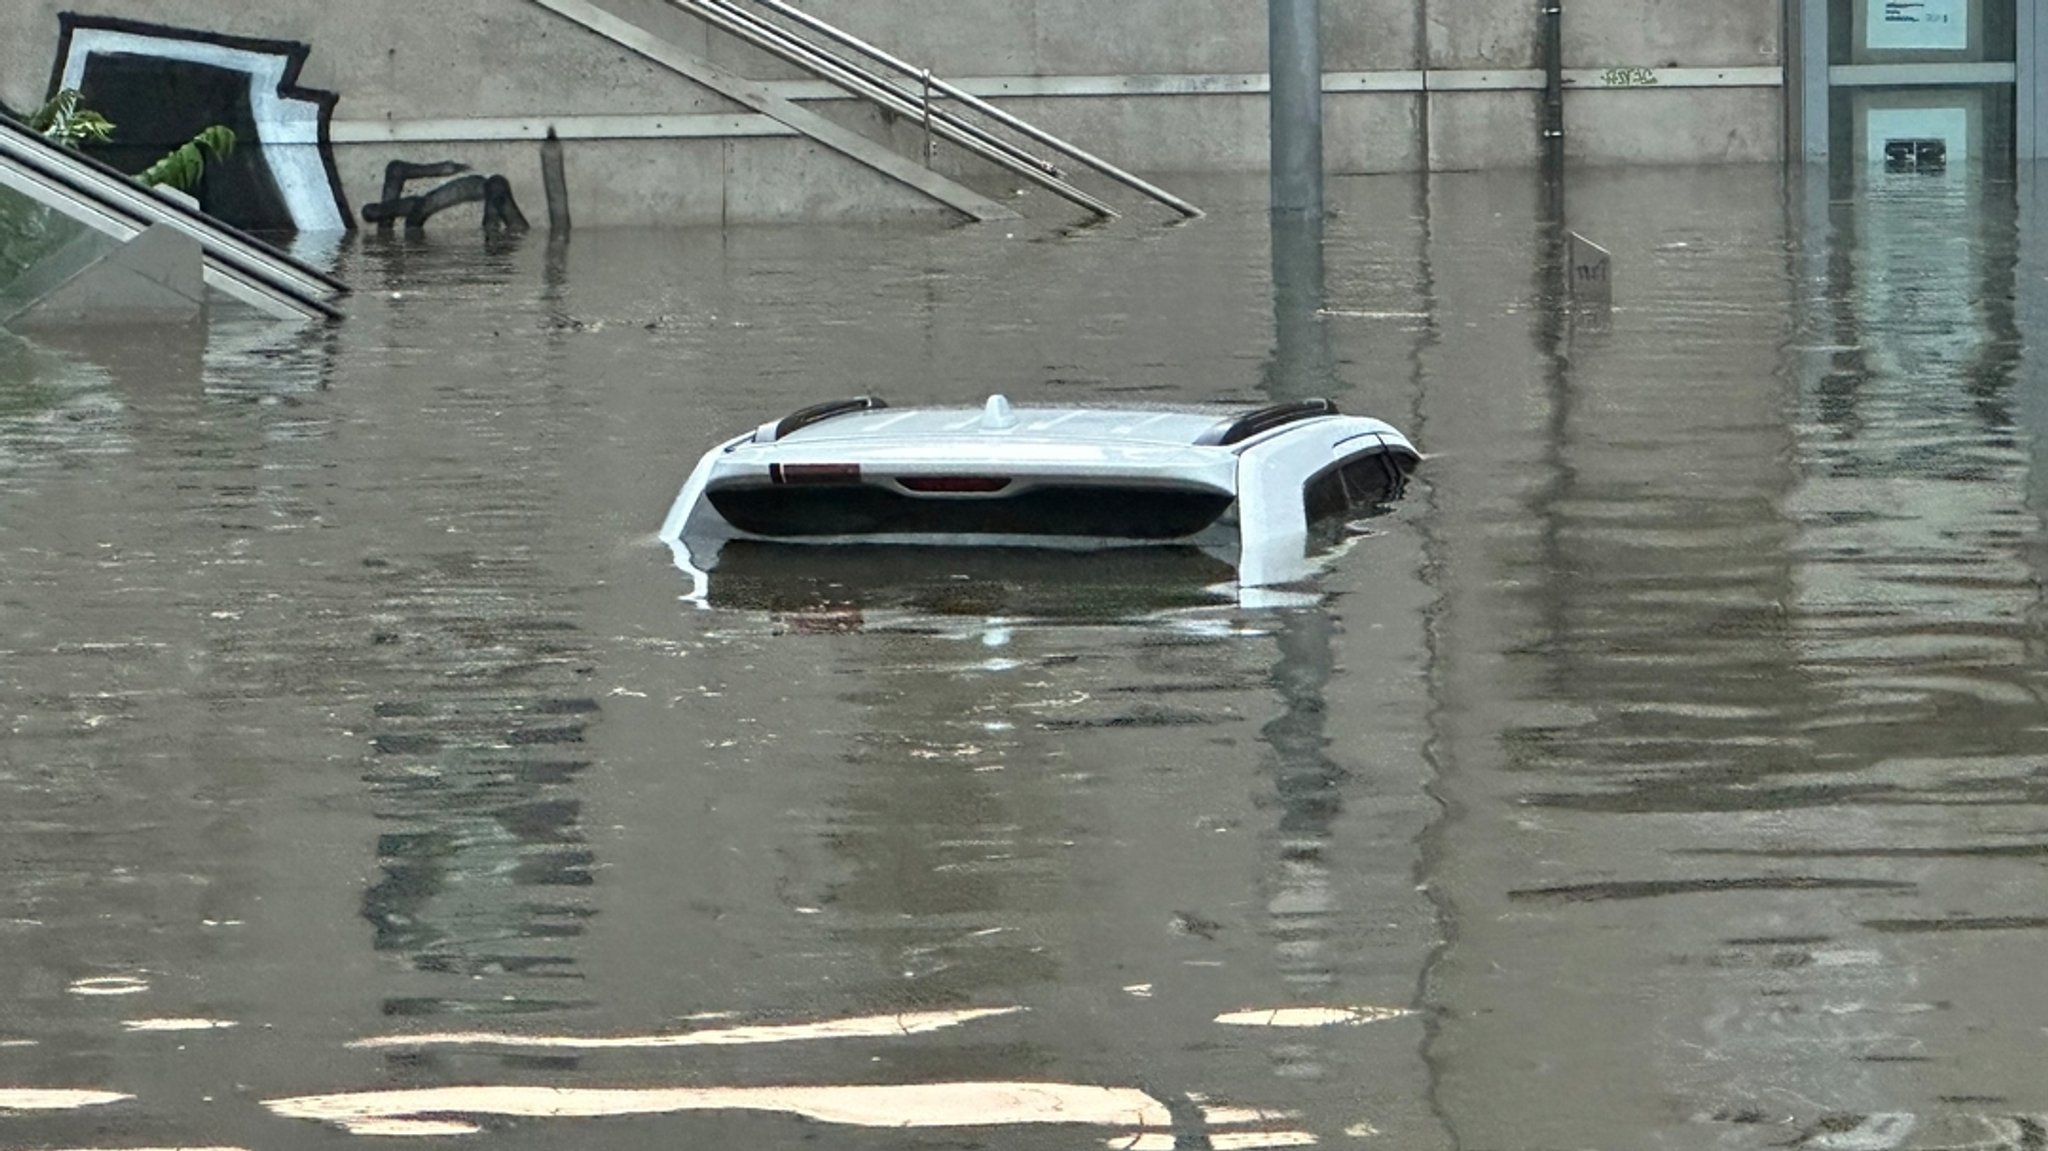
1218	1141
415	1128
53	1099
1311	1016
177	1024
109	985
1242	1116
906	1105
863	1027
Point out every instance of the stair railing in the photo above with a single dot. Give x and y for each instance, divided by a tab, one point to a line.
915	99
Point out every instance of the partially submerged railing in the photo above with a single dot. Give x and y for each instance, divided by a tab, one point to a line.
113	203
915	93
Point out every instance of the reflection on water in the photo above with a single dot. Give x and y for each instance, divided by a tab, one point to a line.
1663	772
476	754
478	735
1775	665
54	412
830	586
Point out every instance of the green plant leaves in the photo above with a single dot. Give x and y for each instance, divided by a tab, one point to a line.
186	166
64	122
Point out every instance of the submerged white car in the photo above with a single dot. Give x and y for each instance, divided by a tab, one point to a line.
1247	487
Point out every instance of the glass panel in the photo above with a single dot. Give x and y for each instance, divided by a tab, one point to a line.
1920	31
1922	130
40	248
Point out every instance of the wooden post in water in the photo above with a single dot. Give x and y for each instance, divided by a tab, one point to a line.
555	183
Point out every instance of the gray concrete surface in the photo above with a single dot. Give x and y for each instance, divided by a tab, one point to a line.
1679	126
1671	33
451	71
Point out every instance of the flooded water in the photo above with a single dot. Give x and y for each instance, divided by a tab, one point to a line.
1667	770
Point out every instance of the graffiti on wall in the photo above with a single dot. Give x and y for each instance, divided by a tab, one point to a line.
160	86
500	213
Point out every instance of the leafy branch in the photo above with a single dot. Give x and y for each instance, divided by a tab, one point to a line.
63	121
27	230
186	165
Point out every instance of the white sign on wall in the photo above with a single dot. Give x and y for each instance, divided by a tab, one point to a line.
1895	25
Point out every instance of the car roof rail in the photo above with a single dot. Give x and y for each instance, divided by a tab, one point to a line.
1242	427
819	413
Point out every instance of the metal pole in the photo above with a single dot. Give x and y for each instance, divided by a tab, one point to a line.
2032	40
1553	122
931	150
1553	86
1294	44
1303	365
1814	115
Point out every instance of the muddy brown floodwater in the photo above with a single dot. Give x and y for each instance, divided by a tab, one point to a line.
1667	771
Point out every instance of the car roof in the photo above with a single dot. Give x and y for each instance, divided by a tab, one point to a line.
869	421
1125	425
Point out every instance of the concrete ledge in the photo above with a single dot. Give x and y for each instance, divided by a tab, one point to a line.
744	125
477	129
1393	80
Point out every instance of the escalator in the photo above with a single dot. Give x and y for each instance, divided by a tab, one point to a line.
113	204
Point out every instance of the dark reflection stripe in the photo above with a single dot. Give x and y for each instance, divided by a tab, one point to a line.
1958	923
1966	851
1144	717
1710	791
1653	888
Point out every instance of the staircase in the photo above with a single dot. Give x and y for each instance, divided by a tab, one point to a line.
941	113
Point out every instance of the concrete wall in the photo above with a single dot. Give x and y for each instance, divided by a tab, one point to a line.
1159	86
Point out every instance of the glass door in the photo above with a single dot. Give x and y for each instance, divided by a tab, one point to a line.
1922	86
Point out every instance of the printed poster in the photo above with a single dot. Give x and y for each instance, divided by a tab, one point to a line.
1918	25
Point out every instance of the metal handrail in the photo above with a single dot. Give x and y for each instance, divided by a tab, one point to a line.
779	43
915	105
982	106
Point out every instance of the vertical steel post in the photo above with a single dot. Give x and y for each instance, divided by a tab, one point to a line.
1812	78
931	150
1553	87
1303	364
1294	47
2031	65
2030	311
1552	13
555	183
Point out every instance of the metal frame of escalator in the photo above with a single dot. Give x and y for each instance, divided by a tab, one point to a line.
110	202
